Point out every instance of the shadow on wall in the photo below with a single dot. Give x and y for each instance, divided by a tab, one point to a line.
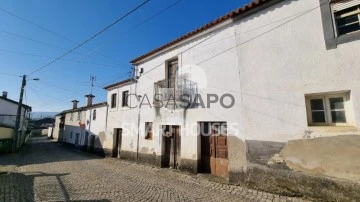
96	144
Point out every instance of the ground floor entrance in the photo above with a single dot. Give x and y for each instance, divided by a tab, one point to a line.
117	142
171	141
214	148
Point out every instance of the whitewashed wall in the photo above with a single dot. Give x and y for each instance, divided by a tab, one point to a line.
72	126
9	108
282	58
97	127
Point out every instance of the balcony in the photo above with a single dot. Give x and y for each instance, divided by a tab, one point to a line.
8	120
174	89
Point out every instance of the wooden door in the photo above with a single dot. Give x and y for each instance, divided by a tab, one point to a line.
175	147
117	142
214	152
172	147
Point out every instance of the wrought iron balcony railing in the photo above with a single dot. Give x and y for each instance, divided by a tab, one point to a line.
176	89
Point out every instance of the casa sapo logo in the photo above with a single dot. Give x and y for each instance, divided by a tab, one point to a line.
181	101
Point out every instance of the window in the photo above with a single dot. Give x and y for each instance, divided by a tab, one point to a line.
94	114
346	16
328	109
79	115
148	130
340	21
172	67
113	100
72	116
125	95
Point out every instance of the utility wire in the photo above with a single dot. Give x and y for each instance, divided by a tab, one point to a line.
237	45
39	42
45	29
92	37
4	73
44	56
136	26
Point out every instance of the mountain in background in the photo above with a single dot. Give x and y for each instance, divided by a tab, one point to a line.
41	115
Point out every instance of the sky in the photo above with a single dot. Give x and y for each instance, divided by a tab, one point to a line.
33	33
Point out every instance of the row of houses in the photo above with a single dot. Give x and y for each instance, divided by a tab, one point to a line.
8	113
267	95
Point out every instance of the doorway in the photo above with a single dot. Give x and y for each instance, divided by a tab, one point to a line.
117	142
214	148
92	143
86	140
172	146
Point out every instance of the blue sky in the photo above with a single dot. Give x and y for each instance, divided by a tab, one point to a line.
25	47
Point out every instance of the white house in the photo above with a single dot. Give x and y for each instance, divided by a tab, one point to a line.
8	113
83	127
277	105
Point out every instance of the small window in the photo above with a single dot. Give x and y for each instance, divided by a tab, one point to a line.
113	100
72	116
346	16
328	109
125	95
71	135
79	115
94	114
148	130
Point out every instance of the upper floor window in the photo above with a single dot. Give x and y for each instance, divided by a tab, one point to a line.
79	115
346	16
113	100
72	116
125	95
171	72
94	114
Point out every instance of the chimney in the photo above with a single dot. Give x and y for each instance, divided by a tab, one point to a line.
4	94
75	103
89	99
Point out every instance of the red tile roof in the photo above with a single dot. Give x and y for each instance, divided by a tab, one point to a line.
120	83
232	14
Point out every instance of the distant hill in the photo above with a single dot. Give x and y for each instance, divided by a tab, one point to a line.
41	115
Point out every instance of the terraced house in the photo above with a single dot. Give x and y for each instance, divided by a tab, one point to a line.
83	127
271	99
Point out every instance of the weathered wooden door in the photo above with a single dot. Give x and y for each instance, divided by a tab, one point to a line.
172	147
214	153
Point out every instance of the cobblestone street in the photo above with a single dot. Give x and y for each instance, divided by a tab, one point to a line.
48	171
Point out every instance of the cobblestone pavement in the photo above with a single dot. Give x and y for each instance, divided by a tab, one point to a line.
48	171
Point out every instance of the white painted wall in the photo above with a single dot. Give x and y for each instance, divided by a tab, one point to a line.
201	60
9	108
72	127
281	61
97	127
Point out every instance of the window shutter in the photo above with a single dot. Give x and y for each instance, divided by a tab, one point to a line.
341	5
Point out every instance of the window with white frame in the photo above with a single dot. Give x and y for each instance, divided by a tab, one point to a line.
327	109
346	14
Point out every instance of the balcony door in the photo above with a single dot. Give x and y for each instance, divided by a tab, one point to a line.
171	72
